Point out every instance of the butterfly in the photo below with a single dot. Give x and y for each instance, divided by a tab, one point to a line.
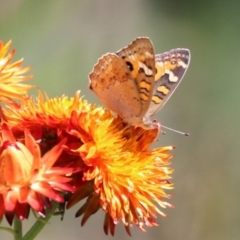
135	83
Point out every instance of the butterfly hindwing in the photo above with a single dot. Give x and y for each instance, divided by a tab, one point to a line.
171	67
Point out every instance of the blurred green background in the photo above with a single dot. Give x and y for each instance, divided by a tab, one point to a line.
62	40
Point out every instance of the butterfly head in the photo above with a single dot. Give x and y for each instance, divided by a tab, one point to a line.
145	122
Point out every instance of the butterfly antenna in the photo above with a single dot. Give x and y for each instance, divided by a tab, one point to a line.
173	130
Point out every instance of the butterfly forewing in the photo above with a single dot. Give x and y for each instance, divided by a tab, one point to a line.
112	82
171	67
140	59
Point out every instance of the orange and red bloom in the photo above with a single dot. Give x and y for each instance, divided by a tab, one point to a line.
51	147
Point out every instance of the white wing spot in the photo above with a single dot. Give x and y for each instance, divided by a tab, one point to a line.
172	77
148	54
147	70
183	64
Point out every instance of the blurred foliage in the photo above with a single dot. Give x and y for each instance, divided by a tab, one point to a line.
62	40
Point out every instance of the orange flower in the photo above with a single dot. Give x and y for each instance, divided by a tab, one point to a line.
26	178
119	171
11	76
122	175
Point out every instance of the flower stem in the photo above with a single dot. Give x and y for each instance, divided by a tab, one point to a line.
17	228
40	223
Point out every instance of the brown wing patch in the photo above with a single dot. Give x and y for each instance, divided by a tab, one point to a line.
112	82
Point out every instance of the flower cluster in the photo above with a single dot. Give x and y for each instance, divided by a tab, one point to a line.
66	150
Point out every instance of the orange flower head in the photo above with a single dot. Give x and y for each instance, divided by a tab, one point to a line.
120	173
123	176
26	178
11	76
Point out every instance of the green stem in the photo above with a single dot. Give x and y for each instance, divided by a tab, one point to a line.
17	228
40	223
7	229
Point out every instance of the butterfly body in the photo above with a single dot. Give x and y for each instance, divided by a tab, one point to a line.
135	83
